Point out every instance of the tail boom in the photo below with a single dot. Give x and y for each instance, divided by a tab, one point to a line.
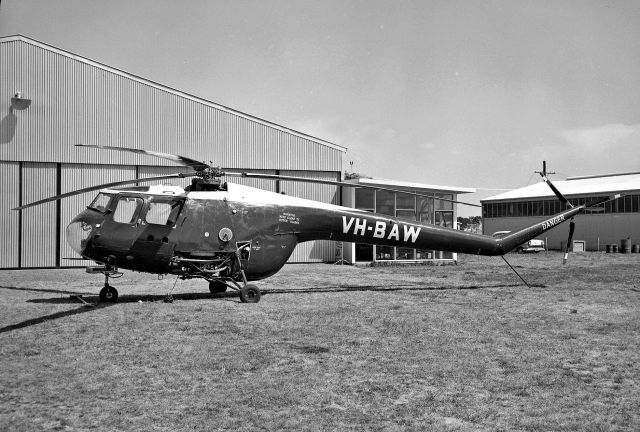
515	239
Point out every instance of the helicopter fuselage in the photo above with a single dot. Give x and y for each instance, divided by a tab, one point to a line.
165	229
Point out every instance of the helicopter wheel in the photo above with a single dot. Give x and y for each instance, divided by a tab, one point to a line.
108	294
250	294
217	287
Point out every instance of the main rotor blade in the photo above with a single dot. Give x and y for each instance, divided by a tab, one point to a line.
196	165
102	186
337	183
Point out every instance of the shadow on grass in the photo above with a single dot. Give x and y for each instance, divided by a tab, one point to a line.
390	288
132	298
52	317
92	303
43	290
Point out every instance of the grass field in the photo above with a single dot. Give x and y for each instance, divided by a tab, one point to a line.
444	348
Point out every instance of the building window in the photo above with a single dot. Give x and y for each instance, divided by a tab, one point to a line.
365	199
364	252
384	253
385	202
425	209
405	254
543	208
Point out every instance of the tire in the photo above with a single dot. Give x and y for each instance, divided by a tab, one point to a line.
250	294
217	287
108	294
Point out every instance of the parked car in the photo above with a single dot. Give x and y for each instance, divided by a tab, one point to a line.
534	245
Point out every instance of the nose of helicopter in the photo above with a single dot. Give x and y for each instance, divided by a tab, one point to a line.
78	231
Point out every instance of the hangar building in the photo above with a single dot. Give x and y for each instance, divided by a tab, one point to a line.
51	99
609	224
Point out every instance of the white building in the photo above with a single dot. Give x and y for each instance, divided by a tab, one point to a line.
609	224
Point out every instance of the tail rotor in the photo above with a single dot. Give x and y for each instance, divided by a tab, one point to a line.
572	223
589	206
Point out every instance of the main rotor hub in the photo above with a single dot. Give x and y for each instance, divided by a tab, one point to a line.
210	174
208	179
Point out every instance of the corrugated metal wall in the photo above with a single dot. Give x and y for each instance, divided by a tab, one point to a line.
78	102
38	233
10	193
73	177
75	100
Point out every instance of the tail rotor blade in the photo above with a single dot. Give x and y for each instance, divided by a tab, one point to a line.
556	191
572	227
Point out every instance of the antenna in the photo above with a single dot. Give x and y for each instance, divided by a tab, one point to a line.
544	170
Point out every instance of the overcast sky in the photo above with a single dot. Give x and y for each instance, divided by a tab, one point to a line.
463	93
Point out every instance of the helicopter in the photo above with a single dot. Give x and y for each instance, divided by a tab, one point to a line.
230	234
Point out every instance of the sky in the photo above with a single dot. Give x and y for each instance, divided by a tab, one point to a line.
466	93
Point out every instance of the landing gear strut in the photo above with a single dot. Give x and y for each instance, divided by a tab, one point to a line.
108	294
249	293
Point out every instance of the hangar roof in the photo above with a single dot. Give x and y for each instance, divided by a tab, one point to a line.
586	185
410	185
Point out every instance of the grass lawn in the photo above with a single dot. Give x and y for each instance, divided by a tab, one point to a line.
444	348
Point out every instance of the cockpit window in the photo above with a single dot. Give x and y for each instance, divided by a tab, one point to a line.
100	202
127	210
163	213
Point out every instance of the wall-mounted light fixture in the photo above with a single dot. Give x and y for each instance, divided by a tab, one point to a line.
20	103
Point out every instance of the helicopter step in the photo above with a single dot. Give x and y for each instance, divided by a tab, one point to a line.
96	269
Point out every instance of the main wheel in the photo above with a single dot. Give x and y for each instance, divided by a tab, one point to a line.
108	294
217	287
250	294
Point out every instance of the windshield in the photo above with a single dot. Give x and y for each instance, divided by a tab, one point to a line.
100	202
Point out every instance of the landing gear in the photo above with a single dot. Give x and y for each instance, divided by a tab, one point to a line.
250	294
223	271
108	294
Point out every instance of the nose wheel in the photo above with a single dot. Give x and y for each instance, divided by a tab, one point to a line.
108	294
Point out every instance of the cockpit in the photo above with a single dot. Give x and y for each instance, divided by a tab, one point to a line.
156	206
